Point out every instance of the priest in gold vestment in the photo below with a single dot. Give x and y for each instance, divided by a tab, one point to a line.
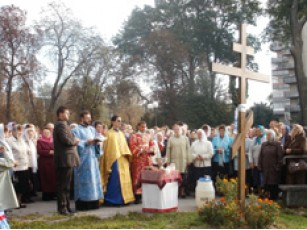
114	166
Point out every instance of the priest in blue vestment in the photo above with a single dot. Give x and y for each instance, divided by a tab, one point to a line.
87	180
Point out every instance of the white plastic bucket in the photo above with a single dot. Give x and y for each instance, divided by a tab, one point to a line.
204	191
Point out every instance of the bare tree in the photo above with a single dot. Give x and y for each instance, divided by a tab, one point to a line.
18	47
67	45
88	88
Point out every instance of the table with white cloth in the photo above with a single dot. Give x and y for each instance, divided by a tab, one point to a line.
160	190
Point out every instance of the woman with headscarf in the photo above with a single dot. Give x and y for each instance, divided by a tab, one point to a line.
30	139
7	148
202	152
8	199
20	152
254	151
46	167
270	162
207	130
221	158
297	146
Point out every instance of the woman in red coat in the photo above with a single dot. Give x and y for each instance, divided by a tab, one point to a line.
46	167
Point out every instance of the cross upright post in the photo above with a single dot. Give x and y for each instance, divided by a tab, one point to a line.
244	124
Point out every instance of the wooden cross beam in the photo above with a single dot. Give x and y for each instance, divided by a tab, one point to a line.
244	124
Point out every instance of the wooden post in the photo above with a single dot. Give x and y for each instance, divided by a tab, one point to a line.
244	124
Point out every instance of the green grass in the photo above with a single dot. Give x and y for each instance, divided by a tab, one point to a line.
293	221
132	220
288	219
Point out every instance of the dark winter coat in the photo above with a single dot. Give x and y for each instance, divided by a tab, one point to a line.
270	162
298	145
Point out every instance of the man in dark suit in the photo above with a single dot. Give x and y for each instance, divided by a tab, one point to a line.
66	158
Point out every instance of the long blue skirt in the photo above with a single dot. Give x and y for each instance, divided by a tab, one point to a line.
114	192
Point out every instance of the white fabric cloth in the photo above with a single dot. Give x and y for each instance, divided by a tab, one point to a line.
157	199
205	150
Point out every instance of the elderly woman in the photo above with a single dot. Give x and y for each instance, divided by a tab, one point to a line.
297	146
207	130
221	159
30	139
202	152
46	167
21	170
254	151
8	197
270	162
161	143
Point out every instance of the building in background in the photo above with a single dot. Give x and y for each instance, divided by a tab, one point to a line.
285	92
285	96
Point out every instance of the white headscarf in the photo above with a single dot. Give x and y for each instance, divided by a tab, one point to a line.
33	149
204	136
209	130
11	125
5	144
272	132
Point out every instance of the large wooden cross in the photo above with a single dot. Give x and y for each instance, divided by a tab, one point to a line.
244	123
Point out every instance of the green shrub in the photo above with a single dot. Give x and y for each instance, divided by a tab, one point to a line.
226	212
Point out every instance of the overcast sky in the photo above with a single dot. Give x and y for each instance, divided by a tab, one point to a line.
108	17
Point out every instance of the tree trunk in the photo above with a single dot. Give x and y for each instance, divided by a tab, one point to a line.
296	51
31	99
49	115
191	76
8	99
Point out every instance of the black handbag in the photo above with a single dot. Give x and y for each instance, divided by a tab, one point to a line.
294	167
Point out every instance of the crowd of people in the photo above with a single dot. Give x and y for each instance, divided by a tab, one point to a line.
101	165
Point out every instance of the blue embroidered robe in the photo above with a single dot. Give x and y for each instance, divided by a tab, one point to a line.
87	180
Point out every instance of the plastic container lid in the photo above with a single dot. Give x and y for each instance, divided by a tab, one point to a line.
205	179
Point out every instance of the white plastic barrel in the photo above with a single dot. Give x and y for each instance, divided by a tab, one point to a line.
204	191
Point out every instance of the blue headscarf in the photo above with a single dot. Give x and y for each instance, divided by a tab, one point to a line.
259	138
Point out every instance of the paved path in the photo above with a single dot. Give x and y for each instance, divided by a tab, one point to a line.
49	208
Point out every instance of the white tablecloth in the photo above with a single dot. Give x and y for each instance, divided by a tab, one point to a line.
155	199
